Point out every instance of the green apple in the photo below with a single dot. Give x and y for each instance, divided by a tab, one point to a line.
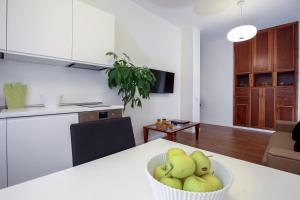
213	181
161	171
196	184
181	165
174	151
172	182
203	163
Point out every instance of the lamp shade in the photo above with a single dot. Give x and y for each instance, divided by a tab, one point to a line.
242	33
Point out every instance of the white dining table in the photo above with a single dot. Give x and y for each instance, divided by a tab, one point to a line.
122	176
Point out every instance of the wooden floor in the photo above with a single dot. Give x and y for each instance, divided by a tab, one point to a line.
237	143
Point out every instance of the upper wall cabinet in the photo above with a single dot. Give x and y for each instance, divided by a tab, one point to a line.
41	28
2	24
243	56
93	34
285	37
262	51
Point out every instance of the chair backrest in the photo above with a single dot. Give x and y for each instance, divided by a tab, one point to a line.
94	140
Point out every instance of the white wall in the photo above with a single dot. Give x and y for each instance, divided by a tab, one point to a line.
75	84
216	79
196	74
151	41
190	73
148	39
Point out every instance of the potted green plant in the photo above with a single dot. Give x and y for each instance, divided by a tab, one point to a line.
134	83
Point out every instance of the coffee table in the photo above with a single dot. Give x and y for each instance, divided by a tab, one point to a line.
171	133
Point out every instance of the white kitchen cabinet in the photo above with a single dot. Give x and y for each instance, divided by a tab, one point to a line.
2	24
37	146
40	28
3	163
93	34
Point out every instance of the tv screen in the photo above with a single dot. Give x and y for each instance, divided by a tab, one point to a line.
164	82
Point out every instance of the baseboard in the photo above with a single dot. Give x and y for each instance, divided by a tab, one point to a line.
239	127
254	129
216	123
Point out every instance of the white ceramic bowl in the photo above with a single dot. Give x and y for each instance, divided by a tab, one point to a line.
51	101
163	192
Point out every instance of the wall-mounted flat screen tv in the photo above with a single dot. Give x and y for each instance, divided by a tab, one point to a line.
164	82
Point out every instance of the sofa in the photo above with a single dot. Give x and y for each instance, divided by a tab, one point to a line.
280	152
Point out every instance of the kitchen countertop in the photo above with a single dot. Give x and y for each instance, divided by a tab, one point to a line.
37	111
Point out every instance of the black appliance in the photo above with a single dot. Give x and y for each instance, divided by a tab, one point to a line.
164	82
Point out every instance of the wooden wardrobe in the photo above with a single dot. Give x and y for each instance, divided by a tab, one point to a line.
266	77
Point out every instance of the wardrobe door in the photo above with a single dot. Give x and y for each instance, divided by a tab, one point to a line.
255	107
242	108
268	108
241	115
284	51
262	51
286	103
286	113
243	57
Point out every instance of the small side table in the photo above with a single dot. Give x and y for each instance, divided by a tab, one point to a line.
171	133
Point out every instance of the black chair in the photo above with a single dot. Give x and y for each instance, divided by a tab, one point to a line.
94	140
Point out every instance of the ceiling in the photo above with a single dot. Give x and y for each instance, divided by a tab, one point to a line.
222	15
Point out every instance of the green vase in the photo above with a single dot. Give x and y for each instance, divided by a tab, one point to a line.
15	95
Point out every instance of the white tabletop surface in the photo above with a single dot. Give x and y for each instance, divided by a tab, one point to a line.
122	177
36	111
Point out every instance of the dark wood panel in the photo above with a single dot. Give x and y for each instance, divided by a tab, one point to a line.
286	79
233	142
285	100
255	107
269	108
263	80
286	113
262	51
242	92
115	113
242	80
242	115
284	53
243	56
286	91
88	116
242	100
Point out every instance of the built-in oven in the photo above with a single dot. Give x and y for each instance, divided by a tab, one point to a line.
99	115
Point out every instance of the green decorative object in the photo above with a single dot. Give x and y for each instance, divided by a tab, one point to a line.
15	95
134	83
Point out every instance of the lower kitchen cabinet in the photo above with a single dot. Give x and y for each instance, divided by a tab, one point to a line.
37	146
3	170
